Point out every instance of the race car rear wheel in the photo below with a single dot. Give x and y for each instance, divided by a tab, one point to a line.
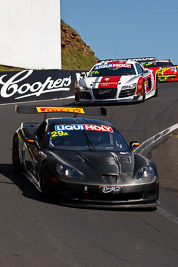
15	154
143	93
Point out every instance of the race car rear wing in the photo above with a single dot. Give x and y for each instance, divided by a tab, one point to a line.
139	59
163	60
98	111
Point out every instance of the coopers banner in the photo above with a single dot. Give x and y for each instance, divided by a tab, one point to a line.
30	85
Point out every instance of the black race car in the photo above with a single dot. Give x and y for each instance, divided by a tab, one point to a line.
82	161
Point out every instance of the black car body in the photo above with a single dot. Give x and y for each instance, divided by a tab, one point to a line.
86	162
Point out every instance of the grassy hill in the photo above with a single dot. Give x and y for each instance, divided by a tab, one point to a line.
75	53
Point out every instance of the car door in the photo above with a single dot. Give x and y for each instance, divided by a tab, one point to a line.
147	76
34	147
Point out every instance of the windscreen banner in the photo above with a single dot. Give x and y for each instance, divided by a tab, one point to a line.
33	85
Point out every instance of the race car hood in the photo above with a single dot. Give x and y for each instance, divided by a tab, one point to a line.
105	167
107	82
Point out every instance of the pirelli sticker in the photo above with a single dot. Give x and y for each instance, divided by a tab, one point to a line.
60	109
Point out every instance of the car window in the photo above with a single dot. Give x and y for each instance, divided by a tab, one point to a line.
112	70
41	134
159	64
42	139
85	137
139	68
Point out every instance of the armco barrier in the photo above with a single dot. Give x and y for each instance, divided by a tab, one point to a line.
32	85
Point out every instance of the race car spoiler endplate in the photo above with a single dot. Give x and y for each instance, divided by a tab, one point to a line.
98	111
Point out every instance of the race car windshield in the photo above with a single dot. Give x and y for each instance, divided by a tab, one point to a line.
112	70
159	64
97	138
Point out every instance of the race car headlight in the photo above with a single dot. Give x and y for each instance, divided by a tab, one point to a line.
63	169
145	173
129	86
82	89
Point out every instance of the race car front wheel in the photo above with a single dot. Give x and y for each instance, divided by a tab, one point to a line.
157	83
76	97
45	181
15	154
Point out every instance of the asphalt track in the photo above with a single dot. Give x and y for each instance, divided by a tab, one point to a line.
36	233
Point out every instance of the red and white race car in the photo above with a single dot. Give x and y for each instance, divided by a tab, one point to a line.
117	81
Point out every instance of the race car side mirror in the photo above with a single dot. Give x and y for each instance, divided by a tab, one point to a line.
133	144
33	142
82	75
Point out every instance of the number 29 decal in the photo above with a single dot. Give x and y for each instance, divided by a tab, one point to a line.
58	133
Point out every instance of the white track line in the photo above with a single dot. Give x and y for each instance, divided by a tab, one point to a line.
154	138
145	145
168	215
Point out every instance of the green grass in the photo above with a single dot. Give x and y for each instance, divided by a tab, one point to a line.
74	60
7	68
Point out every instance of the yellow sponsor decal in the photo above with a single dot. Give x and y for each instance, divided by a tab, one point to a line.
93	72
60	109
147	64
19	137
58	133
161	71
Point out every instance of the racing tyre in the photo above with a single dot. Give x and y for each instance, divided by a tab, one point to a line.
45	181
143	100
157	82
15	155
76	97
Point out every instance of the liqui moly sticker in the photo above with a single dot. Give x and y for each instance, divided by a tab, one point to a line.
69	127
87	127
101	128
115	65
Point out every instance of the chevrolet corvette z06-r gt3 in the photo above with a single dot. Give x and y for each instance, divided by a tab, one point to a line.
83	161
116	81
165	70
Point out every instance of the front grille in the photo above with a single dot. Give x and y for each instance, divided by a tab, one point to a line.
105	93
126	93
109	197
85	95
